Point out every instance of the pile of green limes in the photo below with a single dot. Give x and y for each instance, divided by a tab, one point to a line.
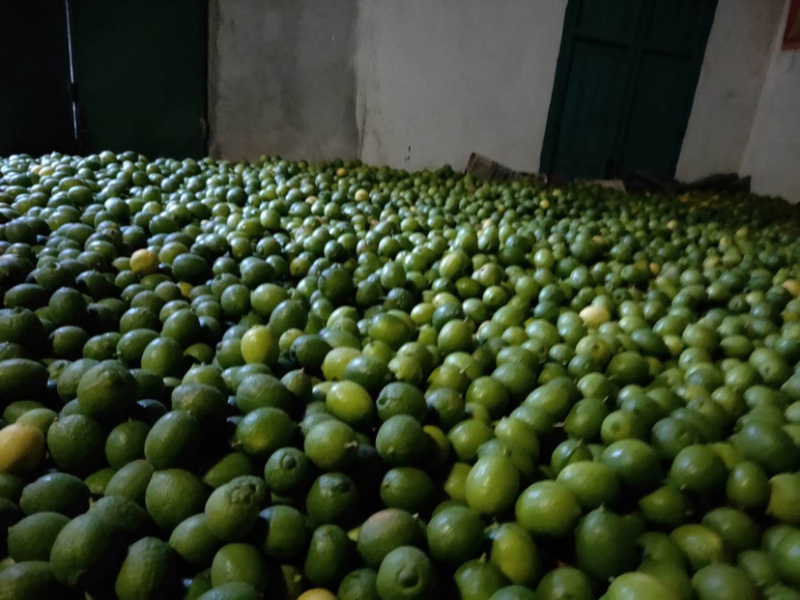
231	381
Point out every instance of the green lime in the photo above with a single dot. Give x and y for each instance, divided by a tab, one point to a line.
407	488
360	584
602	547
289	314
784	498
738	531
264	430
70	377
698	469
659	547
125	443
131	481
76	443
721	581
514	592
336	361
370	372
333	498
585	418
309	351
331	445
445	405
594	484
174	440
286	532
55	492
206	403
670	575
288	472
467	436
476	580
548	509
241	563
329	554
149	569
700	544
518	378
492	485
635	463
490	393
769	446
266	297
232	509
665	507
130	520
260	390
32	538
400	398
193	540
622	425
786	555
405	573
107	392
31	579
401	440
515	553
260	345
639	585
230	466
174	495
759	567
384	531
11	487
350	402
164	357
84	551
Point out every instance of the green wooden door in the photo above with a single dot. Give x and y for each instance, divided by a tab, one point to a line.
624	86
35	97
140	69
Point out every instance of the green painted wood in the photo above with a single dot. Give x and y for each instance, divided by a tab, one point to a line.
667	69
35	99
625	82
140	69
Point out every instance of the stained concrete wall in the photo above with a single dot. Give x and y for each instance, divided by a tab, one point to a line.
734	70
281	79
773	152
437	80
412	84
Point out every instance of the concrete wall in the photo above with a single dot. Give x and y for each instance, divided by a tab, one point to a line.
734	69
773	152
412	84
437	80
420	83
281	79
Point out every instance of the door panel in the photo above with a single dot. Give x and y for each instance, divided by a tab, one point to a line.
35	97
675	26
609	20
625	82
591	108
655	124
141	73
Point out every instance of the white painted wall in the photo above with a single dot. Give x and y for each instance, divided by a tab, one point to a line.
734	70
437	80
773	152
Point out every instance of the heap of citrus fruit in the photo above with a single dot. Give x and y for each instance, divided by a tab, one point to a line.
275	380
